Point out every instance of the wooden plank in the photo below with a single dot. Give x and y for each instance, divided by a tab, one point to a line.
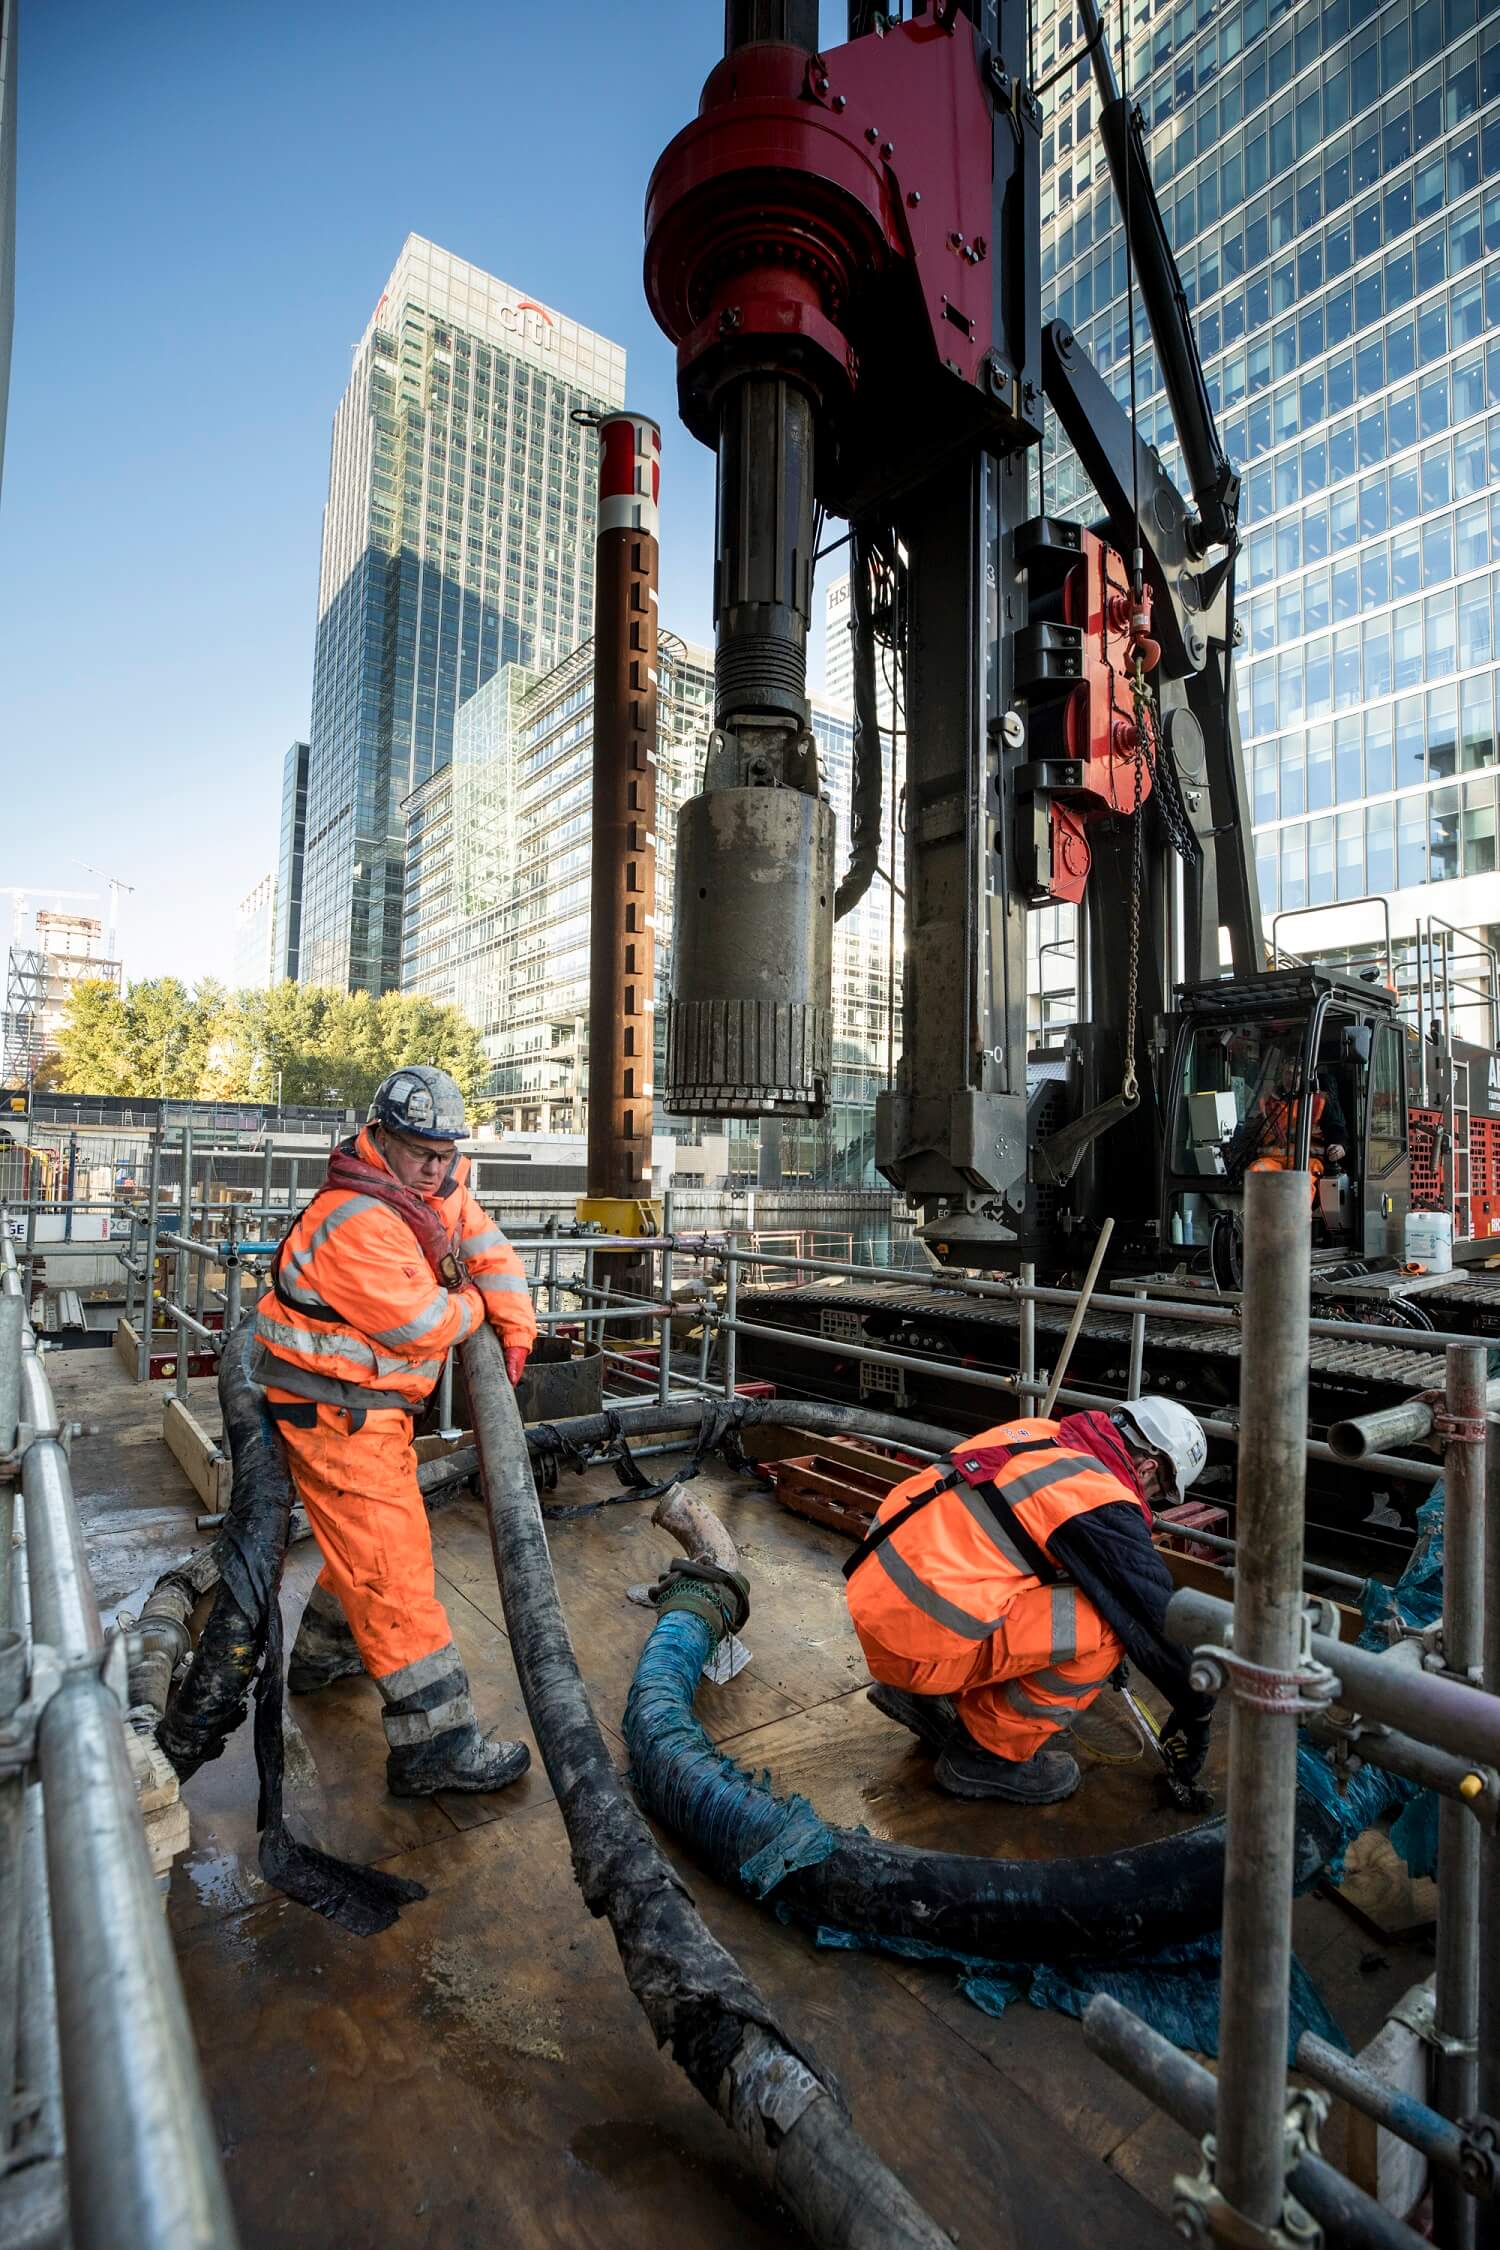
127	1346
202	1457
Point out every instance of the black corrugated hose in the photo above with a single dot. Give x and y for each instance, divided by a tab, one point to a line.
782	2107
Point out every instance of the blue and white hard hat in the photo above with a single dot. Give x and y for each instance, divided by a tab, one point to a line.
420	1101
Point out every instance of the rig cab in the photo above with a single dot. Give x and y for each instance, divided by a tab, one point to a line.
1302	1068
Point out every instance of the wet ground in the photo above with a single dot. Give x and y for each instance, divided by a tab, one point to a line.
480	2073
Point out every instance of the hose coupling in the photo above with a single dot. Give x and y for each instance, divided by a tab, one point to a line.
720	1597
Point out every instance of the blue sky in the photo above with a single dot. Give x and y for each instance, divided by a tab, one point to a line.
209	201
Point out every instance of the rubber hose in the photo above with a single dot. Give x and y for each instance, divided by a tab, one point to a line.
868	753
781	2107
1129	1901
211	1700
818	1417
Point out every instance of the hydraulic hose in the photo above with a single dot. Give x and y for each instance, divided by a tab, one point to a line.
780	2105
865	792
211	1700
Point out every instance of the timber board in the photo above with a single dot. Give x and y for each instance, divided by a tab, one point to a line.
480	2072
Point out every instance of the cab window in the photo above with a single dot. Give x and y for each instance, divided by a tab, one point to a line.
1387	1100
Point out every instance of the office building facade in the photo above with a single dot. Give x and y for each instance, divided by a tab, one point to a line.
1330	178
458	538
255	938
286	903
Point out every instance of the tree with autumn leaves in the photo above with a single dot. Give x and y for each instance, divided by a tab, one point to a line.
304	1044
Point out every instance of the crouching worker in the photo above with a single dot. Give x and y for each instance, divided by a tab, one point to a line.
994	1597
390	1267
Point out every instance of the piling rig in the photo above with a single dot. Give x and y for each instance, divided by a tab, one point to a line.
844	246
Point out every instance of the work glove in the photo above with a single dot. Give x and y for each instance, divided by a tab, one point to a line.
1184	1746
516	1356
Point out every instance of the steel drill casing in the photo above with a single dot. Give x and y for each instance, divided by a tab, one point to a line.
750	1020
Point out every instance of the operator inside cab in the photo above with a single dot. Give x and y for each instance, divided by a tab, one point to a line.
1279	1114
391	1266
998	1591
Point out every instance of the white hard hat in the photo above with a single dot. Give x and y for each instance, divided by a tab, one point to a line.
1170	1432
419	1100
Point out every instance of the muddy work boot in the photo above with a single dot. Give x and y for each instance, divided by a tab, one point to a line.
966	1769
324	1649
933	1719
433	1732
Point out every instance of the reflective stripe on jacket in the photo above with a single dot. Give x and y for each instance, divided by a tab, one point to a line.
946	1577
355	1315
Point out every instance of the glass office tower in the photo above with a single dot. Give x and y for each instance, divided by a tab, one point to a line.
286	927
1330	177
458	537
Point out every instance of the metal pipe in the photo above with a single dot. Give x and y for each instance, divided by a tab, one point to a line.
1488	2230
143	2159
1080	1314
12	1322
1407	1424
729	1326
1476	1788
1137	1347
1259	1848
1158	1308
1373	1464
664	1347
1339	1581
1454	2156
30	1261
1457	1979
1028	1326
1438	1711
153	1221
185	1320
143	2163
1188	2094
233	1282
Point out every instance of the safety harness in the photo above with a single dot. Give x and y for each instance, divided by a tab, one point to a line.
1031	1551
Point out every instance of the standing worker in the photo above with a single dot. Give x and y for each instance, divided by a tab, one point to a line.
390	1267
994	1598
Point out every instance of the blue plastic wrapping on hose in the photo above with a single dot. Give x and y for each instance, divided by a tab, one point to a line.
1415	1600
747	1834
753	1839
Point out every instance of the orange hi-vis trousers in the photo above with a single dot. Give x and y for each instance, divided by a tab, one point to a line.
356	1475
1046	1661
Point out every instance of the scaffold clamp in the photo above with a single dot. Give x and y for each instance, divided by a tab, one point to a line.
1309	1687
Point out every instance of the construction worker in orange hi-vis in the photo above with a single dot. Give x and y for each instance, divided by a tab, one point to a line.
1279	1112
390	1267
1000	1588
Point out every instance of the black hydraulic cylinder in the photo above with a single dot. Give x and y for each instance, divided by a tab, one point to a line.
763	569
755	23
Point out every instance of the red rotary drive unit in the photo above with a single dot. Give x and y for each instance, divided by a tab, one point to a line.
819	200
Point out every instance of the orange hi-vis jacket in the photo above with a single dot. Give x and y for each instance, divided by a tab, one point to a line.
1282	1113
952	1549
355	1315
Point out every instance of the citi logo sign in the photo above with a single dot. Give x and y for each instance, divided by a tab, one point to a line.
529	319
